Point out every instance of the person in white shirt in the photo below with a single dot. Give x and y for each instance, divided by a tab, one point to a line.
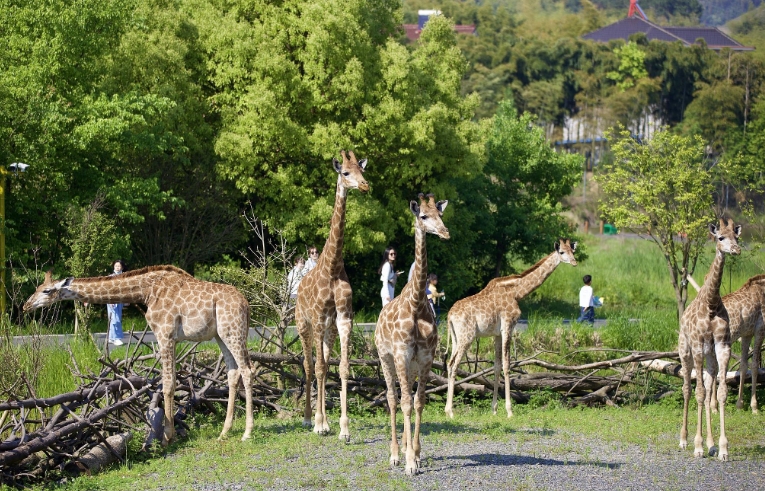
296	274
388	275
313	256
586	301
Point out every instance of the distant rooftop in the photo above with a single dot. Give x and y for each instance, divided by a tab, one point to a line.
413	31
713	37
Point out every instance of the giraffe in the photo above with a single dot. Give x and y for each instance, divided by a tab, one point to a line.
705	333
406	336
179	307
746	311
494	312
323	307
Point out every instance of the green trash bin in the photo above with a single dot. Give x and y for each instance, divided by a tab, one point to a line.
609	229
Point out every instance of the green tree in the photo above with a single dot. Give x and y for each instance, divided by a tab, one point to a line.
631	66
661	188
522	184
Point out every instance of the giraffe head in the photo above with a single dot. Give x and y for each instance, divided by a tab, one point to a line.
49	292
565	248
428	215
351	171
726	236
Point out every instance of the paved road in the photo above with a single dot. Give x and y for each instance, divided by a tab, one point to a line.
366	328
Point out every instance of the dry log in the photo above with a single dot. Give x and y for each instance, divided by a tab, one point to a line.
105	453
674	369
78	395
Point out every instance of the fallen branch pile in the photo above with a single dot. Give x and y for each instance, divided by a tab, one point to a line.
84	429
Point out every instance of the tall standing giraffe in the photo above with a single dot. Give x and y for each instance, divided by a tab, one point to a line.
179	307
493	312
324	303
406	335
705	333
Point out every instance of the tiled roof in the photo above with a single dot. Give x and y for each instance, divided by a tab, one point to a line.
413	31
623	29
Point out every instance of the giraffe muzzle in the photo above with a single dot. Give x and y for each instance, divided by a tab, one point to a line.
364	186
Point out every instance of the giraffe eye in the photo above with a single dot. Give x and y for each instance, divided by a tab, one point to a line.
721	239
346	174
47	291
424	217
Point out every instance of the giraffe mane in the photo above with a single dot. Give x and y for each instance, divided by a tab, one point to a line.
135	272
754	279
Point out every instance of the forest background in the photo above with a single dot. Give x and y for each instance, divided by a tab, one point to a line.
150	126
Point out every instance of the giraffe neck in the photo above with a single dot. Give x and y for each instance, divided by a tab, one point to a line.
420	273
109	289
536	275
710	292
332	254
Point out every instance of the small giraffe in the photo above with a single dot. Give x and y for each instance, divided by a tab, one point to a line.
746	311
406	336
493	312
705	333
324	304
179	307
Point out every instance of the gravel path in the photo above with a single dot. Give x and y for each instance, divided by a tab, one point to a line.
524	459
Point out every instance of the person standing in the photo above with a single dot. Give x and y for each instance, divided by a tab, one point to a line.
388	275
432	292
295	275
313	256
114	310
586	301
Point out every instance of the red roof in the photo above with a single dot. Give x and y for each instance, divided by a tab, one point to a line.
413	31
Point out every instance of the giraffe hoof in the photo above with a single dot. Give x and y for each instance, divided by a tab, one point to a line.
683	445
347	438
698	453
246	437
723	457
307	423
411	470
394	461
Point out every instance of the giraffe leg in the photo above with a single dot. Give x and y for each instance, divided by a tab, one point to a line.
324	348
497	360
507	331
419	404
389	372
344	326
460	345
698	361
403	372
742	370
687	367
759	334
167	353
722	349
306	339
237	360
709	376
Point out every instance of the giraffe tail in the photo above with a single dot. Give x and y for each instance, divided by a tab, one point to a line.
452	334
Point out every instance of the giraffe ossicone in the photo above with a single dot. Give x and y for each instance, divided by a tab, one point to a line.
179	307
705	334
323	309
494	312
406	336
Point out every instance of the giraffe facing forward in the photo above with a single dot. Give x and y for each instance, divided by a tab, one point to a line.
179	307
705	333
493	312
406	336
324	304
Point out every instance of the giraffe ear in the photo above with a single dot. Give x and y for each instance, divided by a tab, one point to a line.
64	283
441	205
363	164
414	208
737	230
557	246
573	246
713	229
336	165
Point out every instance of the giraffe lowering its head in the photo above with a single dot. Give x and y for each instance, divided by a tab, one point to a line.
323	307
705	333
406	336
178	307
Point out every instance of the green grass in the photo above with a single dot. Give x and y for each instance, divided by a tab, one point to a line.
284	454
